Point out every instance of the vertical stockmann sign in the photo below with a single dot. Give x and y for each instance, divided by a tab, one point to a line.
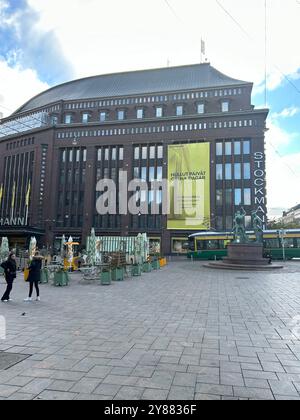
260	185
189	186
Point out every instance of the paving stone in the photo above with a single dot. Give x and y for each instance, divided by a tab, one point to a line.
100	372
8	390
86	386
152	335
181	393
214	389
155	394
253	393
185	379
206	397
36	386
129	393
232	378
283	388
56	396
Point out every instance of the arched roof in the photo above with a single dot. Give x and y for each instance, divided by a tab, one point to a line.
197	76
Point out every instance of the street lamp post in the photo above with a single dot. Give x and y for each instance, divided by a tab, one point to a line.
282	233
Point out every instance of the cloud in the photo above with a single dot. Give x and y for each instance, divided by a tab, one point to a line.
27	46
17	86
102	37
286	113
283	172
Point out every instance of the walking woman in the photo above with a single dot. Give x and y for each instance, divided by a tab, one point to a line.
10	271
34	277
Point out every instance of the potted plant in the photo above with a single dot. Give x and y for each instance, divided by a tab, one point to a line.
118	274
106	277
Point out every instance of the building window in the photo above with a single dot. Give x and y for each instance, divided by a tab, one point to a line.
121	153
228	197
152	152
160	152
247	197
151	174
219	197
159	173
106	156
219	172
140	113
86	118
159	112
54	120
121	115
229	222
248	222
136	153
237	171
238	197
219	149
237	148
103	116
225	106
179	110
114	154
247	171
99	155
200	108
228	171
246	147
228	149
144	174
68	118
144	153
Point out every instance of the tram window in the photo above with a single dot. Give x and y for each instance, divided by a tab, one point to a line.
201	245
297	242
212	244
289	243
272	243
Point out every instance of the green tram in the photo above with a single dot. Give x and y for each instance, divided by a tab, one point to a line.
278	245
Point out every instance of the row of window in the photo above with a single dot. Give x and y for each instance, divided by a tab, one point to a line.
236	196
229	171
20	143
226	223
152	152
156	99
110	154
74	155
229	148
157	129
121	114
148	174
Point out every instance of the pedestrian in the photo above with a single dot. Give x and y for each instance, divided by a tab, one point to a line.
10	271
34	277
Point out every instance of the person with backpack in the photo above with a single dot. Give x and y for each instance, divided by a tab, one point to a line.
34	277
10	271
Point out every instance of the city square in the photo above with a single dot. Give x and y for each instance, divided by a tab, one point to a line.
182	333
149	203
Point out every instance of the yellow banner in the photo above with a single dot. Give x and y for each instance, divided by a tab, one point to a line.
189	186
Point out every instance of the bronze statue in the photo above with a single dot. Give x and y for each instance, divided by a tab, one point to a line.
239	228
257	226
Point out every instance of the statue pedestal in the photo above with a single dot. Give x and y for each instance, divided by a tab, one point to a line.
247	257
245	254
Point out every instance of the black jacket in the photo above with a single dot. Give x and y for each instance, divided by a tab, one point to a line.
10	269
35	270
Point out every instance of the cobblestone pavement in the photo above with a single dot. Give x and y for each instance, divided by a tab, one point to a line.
185	332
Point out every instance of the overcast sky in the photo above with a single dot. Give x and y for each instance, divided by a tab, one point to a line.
43	43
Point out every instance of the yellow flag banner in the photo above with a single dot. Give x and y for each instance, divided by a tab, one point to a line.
13	197
189	186
1	194
28	195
